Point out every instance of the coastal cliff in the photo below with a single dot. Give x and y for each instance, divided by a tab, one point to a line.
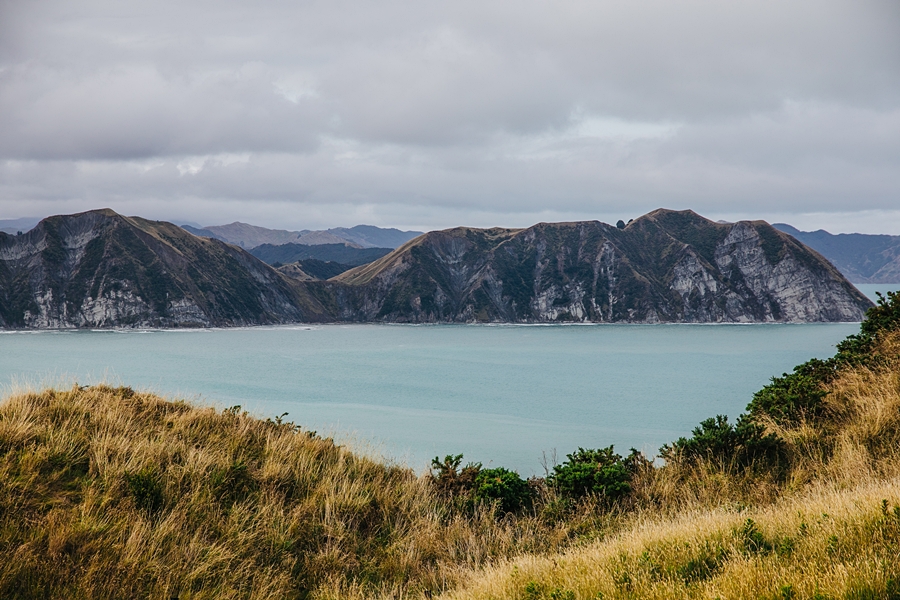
667	266
100	269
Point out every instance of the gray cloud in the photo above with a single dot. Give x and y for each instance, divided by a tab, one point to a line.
436	114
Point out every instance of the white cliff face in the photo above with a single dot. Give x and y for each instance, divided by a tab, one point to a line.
787	291
113	309
548	308
120	306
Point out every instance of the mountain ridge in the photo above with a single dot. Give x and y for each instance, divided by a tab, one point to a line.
101	269
862	258
252	236
666	266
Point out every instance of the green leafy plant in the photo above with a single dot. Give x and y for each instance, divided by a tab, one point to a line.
586	472
504	487
449	479
743	444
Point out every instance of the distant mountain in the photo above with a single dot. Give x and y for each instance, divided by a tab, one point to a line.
340	253
13	226
100	269
860	257
202	232
251	236
666	266
247	236
317	269
369	236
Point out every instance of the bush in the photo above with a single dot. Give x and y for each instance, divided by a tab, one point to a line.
449	480
504	487
795	396
798	395
587	472
743	444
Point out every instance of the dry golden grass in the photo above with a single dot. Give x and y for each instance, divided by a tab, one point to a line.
828	543
109	493
831	530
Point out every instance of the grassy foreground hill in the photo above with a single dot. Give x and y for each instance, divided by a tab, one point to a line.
110	493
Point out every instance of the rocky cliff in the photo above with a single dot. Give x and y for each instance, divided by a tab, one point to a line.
667	266
100	269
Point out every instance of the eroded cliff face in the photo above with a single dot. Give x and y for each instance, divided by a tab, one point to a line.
99	269
664	267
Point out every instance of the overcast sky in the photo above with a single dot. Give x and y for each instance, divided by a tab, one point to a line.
435	113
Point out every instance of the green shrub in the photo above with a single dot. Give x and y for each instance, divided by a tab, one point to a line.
798	395
586	472
504	487
743	444
449	480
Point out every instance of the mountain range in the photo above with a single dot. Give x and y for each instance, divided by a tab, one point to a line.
666	266
101	269
861	258
251	236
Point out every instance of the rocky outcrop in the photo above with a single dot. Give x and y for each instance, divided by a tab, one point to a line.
100	269
667	266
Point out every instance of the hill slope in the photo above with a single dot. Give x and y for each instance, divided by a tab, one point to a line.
666	266
100	269
861	258
340	253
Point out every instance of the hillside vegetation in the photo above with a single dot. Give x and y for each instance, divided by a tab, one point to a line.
110	493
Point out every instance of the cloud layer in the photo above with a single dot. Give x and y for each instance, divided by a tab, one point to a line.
435	114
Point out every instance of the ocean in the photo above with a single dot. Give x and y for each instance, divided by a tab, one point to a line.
519	396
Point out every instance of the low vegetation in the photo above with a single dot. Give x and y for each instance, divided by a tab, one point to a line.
110	493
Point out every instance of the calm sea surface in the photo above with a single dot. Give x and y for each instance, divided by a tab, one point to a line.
501	395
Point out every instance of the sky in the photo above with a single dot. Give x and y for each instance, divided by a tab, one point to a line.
433	114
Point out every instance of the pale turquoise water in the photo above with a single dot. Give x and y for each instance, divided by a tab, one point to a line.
869	289
498	394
